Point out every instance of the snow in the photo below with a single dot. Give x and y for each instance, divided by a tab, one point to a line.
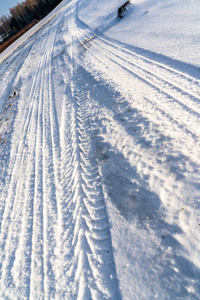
168	27
99	154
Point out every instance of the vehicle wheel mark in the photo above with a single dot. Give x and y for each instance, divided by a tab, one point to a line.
143	61
83	239
18	206
95	238
17	146
185	99
29	188
93	244
22	262
51	165
160	86
170	98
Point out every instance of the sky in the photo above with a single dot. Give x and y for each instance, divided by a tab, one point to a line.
5	5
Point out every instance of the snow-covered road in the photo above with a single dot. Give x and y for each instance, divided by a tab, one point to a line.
99	168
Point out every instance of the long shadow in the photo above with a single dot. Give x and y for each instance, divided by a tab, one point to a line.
175	64
131	119
137	204
131	195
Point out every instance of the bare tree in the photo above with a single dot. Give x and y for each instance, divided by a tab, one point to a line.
23	14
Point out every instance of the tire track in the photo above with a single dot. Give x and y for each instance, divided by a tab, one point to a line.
158	119
42	271
169	109
17	82
171	76
177	98
92	265
190	113
18	145
95	234
31	190
19	60
51	178
30	129
83	249
156	100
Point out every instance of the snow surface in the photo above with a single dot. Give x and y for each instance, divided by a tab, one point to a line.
99	154
169	27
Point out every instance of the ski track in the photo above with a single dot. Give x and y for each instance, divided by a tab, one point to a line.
55	240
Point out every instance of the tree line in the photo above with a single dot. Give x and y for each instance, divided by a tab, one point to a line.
23	14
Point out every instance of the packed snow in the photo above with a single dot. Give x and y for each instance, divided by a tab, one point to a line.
99	154
168	27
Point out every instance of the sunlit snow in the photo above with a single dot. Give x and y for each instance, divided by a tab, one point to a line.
99	154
